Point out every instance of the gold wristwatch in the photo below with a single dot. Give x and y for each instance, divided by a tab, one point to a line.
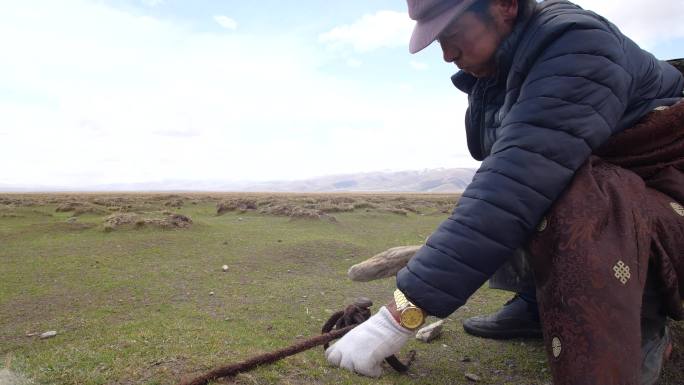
410	316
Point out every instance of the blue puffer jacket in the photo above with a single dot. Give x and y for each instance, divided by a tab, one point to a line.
567	80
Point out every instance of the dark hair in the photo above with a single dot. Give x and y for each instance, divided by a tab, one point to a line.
481	9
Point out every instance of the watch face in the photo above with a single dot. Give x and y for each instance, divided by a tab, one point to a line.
412	317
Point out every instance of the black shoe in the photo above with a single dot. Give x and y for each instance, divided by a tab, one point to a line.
654	352
516	319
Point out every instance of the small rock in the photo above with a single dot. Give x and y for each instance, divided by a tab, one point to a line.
240	219
72	219
31	334
224	268
211	293
430	332
299	336
49	334
472	377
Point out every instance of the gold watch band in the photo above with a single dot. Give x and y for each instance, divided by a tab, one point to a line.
401	301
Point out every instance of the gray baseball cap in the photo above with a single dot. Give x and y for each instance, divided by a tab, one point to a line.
432	17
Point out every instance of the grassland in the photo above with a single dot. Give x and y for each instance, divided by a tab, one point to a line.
133	285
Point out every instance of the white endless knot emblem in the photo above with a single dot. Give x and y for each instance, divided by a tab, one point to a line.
679	209
622	272
556	347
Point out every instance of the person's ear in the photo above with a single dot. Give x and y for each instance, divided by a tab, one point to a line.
507	10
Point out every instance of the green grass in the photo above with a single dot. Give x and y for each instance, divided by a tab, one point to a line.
132	306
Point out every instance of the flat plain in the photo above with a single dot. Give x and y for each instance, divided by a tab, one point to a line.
134	287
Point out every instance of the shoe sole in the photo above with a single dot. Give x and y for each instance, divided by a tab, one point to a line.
503	334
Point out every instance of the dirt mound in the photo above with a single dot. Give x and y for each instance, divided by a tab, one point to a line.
296	212
79	208
69	206
19	202
396	210
239	204
136	220
331	206
89	210
320	206
175	203
179	220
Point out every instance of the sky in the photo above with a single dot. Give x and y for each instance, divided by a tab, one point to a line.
130	91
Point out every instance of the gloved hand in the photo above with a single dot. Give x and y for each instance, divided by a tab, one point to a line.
364	347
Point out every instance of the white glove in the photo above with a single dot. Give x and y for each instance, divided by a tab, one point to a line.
364	347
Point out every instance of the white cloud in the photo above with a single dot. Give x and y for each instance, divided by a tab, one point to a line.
354	63
372	31
152	3
648	23
418	66
226	22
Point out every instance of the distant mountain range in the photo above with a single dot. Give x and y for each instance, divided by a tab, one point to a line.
437	180
434	180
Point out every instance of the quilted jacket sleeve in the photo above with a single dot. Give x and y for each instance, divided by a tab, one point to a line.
569	104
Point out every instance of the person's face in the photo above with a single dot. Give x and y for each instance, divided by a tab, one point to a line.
471	43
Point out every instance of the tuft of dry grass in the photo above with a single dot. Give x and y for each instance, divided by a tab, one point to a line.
118	220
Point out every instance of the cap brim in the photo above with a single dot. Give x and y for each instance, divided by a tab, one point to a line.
427	30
